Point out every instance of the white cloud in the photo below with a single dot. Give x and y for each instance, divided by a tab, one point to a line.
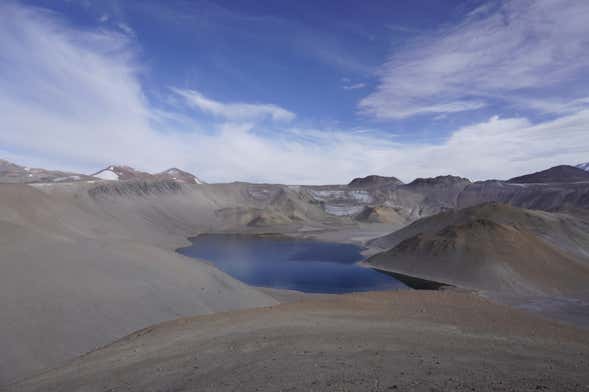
234	111
69	93
72	99
514	48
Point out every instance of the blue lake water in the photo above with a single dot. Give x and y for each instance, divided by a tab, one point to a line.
295	264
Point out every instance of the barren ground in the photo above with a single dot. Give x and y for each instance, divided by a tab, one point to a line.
382	341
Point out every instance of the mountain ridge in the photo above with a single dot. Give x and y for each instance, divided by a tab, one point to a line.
13	173
561	173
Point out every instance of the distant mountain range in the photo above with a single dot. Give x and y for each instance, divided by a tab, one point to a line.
13	173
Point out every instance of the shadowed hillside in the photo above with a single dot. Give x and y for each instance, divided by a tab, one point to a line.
561	173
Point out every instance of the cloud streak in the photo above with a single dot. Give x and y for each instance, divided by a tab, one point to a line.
234	111
354	86
503	49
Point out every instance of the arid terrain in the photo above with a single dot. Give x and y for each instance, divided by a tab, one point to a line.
309	196
407	341
89	261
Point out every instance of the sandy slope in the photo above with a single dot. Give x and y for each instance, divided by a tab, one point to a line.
85	263
493	247
417	341
78	272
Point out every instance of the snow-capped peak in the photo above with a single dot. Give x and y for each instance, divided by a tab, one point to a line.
584	166
121	173
176	174
107	174
124	173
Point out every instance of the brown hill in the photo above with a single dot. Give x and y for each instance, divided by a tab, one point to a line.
492	247
381	214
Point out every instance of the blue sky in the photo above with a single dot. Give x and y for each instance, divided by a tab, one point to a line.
296	92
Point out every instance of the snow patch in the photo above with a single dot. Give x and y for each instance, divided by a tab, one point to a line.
359	196
324	195
107	175
68	178
343	210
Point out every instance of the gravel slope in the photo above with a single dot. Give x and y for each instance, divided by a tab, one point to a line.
408	341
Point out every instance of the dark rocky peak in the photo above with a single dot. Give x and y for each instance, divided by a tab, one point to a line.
440	180
556	174
374	181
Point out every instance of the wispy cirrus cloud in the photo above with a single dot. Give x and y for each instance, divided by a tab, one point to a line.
500	50
354	86
234	111
69	93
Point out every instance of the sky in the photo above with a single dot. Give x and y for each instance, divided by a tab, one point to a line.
305	92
